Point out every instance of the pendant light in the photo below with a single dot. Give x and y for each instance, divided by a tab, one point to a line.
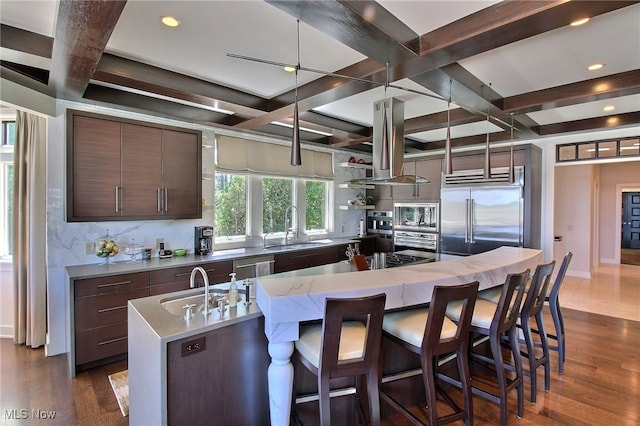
384	154
487	156
448	162
296	158
512	172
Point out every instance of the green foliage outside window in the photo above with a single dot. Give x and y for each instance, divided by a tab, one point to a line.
230	205
316	195
277	195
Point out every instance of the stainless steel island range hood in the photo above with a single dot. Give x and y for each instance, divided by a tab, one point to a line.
390	170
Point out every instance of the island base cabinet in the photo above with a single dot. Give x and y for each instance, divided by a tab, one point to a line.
222	382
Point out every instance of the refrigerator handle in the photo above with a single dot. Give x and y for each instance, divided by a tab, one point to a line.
466	224
471	213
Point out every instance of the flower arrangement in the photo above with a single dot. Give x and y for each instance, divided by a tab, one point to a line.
363	199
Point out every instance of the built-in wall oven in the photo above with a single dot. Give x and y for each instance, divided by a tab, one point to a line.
416	226
379	222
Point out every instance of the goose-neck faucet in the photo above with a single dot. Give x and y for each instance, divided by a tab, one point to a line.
288	226
205	312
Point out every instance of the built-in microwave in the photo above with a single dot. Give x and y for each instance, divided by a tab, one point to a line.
423	217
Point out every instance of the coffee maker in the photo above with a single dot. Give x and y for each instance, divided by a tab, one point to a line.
203	240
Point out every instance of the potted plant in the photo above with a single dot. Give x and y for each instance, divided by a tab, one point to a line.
363	199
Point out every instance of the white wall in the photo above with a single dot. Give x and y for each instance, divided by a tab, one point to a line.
6	300
572	216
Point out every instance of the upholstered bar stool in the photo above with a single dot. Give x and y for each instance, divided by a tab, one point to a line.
430	334
532	308
346	344
553	300
494	321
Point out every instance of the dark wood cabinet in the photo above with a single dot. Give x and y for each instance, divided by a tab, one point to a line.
95	178
225	383
124	170
100	314
308	258
175	279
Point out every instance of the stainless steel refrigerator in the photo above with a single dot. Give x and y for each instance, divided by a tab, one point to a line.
478	218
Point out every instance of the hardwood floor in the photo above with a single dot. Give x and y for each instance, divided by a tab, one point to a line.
601	384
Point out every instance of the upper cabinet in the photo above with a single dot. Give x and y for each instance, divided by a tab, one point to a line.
126	170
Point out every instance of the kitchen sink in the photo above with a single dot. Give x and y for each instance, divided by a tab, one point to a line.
175	306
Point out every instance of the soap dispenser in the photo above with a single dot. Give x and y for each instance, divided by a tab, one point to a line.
233	291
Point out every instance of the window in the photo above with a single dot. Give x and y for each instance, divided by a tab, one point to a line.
230	206
277	195
316	211
250	206
6	187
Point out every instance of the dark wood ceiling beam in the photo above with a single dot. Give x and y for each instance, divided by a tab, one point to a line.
82	32
25	41
597	123
438	121
160	107
37	74
19	76
136	75
469	141
365	26
611	86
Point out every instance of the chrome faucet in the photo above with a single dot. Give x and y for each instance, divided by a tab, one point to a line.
205	312
264	240
289	226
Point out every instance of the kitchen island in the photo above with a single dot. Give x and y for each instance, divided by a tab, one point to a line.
287	301
157	330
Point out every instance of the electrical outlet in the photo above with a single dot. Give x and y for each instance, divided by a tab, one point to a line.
158	241
90	248
193	346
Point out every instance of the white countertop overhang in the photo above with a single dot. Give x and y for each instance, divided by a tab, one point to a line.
287	301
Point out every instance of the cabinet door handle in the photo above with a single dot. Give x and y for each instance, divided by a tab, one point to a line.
184	274
114	284
117	199
159	200
106	342
115	308
166	199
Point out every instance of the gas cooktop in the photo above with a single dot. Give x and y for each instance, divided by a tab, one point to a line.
407	257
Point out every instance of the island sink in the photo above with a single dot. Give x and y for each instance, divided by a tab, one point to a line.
176	306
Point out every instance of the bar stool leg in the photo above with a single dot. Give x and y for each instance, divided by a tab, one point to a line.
517	359
545	351
528	340
558	324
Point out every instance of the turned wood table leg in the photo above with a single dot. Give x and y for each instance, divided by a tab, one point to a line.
280	376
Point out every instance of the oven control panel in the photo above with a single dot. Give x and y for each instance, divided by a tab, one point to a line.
419	240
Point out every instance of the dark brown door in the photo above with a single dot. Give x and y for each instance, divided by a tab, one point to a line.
181	174
96	168
141	170
631	220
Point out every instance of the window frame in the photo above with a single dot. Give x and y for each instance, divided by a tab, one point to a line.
254	210
6	164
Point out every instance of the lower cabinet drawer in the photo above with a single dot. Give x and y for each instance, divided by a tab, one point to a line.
106	309
102	342
110	284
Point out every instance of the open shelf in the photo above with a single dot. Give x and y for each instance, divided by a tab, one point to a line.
357	166
366	207
356	186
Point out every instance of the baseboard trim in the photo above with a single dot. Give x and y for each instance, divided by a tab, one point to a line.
6	332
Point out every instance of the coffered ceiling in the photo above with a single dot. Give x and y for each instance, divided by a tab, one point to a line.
513	60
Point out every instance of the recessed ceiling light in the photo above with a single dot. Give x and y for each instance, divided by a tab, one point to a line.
595	67
289	68
579	22
608	108
170	21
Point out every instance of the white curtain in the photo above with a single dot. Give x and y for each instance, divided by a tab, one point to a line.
30	230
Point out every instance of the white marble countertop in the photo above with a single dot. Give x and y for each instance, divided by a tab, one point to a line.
286	301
